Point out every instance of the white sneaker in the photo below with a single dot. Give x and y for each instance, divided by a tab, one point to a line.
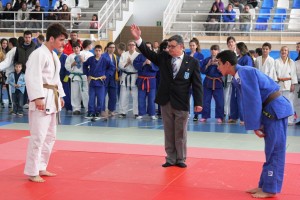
139	117
26	106
153	117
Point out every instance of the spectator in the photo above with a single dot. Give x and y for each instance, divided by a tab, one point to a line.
5	49
212	86
287	78
68	49
16	81
7	65
98	68
65	15
155	46
112	83
128	80
23	16
146	83
79	84
59	5
258	52
17	5
238	3
220	5
195	53
229	19
94	24
37	17
7	15
245	19
265	63
64	78
213	20
52	16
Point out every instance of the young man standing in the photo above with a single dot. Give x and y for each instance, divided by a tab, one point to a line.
266	112
45	94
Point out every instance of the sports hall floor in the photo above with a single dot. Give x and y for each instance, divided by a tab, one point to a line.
121	159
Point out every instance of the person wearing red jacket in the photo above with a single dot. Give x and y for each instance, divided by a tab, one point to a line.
73	38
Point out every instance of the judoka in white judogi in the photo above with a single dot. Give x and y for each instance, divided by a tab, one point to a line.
128	83
42	68
267	67
287	77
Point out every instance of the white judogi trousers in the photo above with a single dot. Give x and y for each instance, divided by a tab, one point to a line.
124	99
227	97
42	137
79	91
290	96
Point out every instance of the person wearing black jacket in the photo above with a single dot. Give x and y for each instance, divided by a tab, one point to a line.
178	73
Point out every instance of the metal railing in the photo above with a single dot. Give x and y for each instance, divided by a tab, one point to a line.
190	25
170	14
107	16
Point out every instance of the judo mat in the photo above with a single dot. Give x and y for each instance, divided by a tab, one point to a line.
100	171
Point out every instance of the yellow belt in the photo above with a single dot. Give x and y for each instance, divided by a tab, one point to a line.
98	78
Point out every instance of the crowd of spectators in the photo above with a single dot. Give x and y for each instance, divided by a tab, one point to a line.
226	13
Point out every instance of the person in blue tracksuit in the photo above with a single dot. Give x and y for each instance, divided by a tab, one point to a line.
97	69
112	82
244	59
212	86
146	83
266	112
64	78
196	53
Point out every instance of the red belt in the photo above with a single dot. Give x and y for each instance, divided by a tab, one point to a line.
146	78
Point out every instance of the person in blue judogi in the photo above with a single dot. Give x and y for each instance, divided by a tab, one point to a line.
244	59
212	86
146	83
64	78
266	112
195	53
111	83
97	69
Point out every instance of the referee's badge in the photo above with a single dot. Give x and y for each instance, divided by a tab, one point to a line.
186	75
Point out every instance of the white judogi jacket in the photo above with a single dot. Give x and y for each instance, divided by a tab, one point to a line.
43	62
267	67
86	54
70	59
128	68
286	70
8	63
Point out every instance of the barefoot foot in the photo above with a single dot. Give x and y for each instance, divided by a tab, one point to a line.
36	179
262	195
46	173
254	190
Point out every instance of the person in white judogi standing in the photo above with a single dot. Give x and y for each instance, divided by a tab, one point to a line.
128	80
265	63
45	94
79	84
286	76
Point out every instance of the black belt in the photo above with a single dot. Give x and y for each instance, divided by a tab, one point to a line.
128	74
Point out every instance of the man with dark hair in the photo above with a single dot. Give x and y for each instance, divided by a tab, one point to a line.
179	72
23	51
46	94
68	49
266	112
